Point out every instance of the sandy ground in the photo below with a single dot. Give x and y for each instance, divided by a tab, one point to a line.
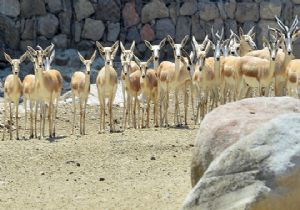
136	169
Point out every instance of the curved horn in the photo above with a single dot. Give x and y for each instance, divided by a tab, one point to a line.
280	23
295	23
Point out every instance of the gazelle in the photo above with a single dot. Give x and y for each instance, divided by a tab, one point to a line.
12	91
131	85
258	72
106	82
49	84
173	77
155	49
80	86
30	94
149	86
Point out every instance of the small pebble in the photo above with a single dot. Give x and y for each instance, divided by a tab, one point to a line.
101	179
152	158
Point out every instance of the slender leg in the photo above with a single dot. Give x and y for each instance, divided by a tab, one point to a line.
139	112
192	100
50	117
160	94
111	121
74	113
103	114
4	118
100	110
25	107
10	121
31	104
167	107
148	113
45	107
156	110
17	119
55	116
134	112
186	104
84	114
143	112
81	115
35	118
124	106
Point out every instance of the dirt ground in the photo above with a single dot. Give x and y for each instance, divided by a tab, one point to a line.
136	169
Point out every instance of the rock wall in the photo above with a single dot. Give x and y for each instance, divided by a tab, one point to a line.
79	23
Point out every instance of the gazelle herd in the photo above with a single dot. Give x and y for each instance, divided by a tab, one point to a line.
235	67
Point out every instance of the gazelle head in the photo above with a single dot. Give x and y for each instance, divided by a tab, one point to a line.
108	53
272	43
38	56
288	34
234	45
15	63
177	48
155	48
216	45
49	60
143	65
201	56
247	38
87	62
126	56
225	47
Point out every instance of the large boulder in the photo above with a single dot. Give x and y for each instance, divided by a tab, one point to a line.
113	31
83	9
30	29
208	11
93	29
183	27
108	10
130	15
259	172
55	6
247	11
188	8
32	8
9	33
154	9
269	9
65	19
228	124
10	8
48	25
163	28
147	33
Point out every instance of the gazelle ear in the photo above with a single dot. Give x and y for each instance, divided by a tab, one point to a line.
93	56
147	43
184	41
52	56
171	41
8	58
162	43
137	60
241	32
81	57
149	60
23	57
122	47
31	51
31	58
115	49
194	41
48	49
207	48
100	47
132	46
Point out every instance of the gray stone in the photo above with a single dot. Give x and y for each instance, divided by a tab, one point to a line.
133	35
48	25
55	6
286	13
262	30
173	13
10	8
25	43
77	31
230	24
93	29
85	45
113	32
32	8
108	10
30	29
238	120
129	14
269	9
60	41
65	22
208	11
188	8
164	27
183	27
198	28
43	42
296	1
297	10
83	9
261	171
246	11
154	9
222	11
229	8
9	33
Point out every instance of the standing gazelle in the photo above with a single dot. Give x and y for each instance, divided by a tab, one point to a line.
149	86
12	92
80	86
49	84
107	81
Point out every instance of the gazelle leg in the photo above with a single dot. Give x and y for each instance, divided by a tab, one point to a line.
55	116
111	119
4	118
148	113
167	107
31	104
134	112
17	119
156	110
81	115
186	105
139	113
25	107
192	101
84	115
50	117
100	110
10	121
74	113
103	114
